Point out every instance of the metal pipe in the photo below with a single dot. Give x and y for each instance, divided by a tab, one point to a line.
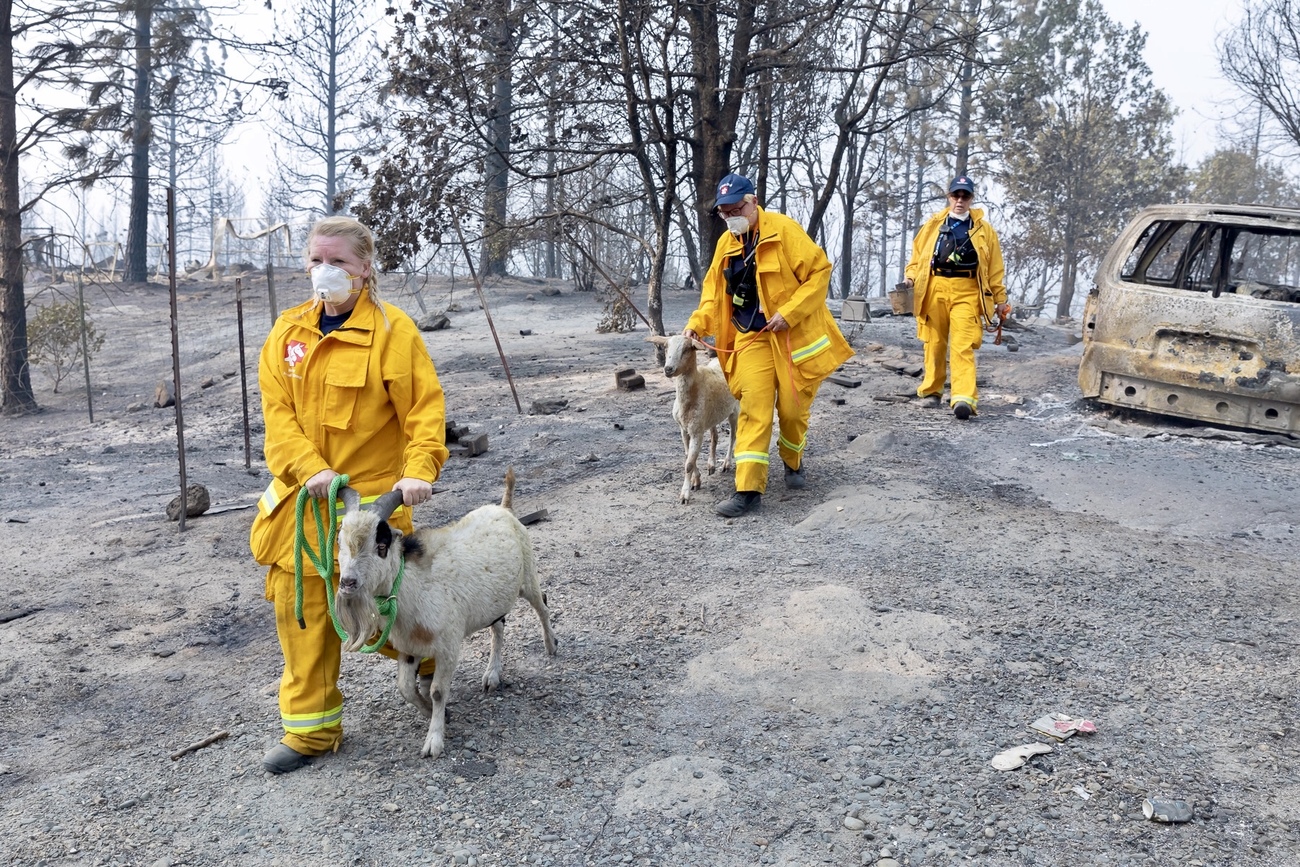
176	350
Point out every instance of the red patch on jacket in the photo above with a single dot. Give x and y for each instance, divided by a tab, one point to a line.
294	352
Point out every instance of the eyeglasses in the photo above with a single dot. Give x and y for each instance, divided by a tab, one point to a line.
960	195
725	211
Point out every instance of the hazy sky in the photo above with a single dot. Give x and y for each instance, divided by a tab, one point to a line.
1182	39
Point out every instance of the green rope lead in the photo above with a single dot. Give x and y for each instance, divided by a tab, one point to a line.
325	564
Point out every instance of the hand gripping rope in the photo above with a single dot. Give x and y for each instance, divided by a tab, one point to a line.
325	564
789	358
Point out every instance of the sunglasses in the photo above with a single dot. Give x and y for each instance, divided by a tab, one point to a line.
961	195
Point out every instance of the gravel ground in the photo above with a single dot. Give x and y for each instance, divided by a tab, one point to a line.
824	682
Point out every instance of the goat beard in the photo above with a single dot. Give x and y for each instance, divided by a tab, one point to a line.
359	616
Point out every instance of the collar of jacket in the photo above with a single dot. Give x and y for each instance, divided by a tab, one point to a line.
359	328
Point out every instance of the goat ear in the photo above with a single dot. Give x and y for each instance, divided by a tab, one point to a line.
351	499
386	505
383	539
657	340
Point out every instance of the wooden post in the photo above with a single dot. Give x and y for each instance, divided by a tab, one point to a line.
85	352
270	290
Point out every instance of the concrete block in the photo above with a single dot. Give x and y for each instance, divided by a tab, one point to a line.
855	310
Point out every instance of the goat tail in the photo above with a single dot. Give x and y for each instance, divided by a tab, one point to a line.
507	501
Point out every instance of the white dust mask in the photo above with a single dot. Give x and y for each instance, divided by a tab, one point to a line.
738	225
331	284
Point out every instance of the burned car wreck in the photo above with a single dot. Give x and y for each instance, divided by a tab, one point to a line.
1194	314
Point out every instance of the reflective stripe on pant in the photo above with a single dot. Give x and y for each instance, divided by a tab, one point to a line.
953	333
762	378
311	705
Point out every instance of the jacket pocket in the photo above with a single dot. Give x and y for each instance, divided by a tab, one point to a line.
344	380
815	361
271	536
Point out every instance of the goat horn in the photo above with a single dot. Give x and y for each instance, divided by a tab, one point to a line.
386	505
351	499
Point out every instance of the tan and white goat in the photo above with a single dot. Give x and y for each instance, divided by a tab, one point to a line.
703	403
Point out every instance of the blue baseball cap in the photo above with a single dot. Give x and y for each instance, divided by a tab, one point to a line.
732	189
961	182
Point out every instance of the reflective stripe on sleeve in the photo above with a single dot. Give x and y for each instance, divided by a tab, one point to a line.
269	499
751	458
816	347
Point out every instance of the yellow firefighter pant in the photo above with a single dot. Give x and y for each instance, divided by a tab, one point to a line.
311	705
761	379
952	333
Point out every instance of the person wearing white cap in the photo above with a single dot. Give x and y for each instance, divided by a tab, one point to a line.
764	300
956	273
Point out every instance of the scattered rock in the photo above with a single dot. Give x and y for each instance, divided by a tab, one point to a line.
163	395
548	407
433	322
197	501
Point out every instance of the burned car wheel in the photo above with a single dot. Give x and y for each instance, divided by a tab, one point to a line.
1194	315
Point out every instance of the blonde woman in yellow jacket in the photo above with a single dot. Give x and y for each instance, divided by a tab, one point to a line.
764	300
957	274
347	387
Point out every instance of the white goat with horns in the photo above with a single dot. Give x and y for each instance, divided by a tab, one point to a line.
458	579
703	402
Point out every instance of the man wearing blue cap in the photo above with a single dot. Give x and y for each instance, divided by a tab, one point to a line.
956	272
764	300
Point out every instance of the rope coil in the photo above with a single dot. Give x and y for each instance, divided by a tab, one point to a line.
324	564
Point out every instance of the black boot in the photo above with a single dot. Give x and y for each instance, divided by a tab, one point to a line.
794	479
739	504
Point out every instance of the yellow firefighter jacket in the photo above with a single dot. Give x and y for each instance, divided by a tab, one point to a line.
364	400
991	272
793	275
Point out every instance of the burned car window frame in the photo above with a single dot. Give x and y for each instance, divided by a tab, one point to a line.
1167	330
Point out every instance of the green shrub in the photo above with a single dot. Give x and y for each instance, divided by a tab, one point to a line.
54	339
